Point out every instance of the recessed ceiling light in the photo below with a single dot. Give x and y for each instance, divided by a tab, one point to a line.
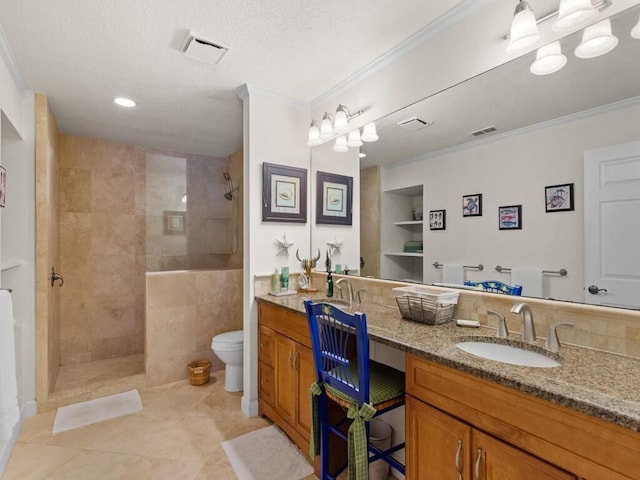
124	102
362	155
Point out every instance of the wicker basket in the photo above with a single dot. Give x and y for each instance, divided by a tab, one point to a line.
199	372
422	310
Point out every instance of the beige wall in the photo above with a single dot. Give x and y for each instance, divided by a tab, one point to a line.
185	310
370	221
47	248
102	242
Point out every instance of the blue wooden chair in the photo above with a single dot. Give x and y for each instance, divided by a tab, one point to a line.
361	386
496	287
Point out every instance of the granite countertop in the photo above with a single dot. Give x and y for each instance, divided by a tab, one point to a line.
601	384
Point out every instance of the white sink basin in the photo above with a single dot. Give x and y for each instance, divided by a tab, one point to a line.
507	354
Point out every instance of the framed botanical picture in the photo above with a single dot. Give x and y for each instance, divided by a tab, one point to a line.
334	202
472	205
3	185
284	193
559	198
437	220
510	217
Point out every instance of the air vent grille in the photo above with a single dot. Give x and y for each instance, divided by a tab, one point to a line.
483	131
414	123
204	50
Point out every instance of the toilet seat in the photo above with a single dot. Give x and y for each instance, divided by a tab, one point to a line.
227	342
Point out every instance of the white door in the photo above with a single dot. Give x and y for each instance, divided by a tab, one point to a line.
612	225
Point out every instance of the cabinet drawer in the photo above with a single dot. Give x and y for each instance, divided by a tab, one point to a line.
289	323
266	384
265	345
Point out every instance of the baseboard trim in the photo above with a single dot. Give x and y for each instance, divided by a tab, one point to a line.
249	407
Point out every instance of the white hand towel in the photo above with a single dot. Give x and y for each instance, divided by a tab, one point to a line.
9	411
453	274
530	279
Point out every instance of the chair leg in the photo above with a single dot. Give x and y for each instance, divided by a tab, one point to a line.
324	437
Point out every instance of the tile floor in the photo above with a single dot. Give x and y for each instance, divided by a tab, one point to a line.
177	436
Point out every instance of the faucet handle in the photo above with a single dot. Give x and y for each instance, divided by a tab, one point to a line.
553	342
359	293
503	331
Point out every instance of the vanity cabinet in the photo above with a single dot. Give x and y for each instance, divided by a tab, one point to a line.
440	446
285	371
457	422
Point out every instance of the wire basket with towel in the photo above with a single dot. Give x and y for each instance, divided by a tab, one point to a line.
425	304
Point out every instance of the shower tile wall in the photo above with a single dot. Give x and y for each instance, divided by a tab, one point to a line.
102	246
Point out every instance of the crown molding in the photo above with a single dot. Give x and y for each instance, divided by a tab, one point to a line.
247	90
12	66
429	31
610	107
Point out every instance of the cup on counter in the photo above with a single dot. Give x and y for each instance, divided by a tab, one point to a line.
338	268
284	278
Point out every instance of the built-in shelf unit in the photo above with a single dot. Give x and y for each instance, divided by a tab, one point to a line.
399	226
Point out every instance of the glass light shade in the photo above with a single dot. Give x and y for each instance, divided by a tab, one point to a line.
354	138
549	59
574	14
340	121
326	129
124	102
314	135
635	31
596	40
524	29
341	144
369	133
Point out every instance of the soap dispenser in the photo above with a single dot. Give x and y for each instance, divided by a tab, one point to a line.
275	282
329	284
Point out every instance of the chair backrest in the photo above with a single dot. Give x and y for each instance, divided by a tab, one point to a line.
496	287
334	333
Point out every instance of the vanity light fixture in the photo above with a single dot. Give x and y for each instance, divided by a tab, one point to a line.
341	145
314	134
574	14
354	139
369	133
524	29
124	102
326	129
635	31
597	40
549	59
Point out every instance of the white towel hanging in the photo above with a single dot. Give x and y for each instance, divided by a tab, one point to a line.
453	274
9	411
530	279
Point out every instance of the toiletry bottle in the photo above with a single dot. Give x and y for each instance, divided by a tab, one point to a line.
329	284
284	277
275	282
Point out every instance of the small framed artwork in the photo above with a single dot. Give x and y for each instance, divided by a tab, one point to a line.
510	217
472	205
559	198
3	185
174	222
334	199
284	193
437	220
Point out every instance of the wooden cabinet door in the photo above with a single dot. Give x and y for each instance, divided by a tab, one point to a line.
286	378
306	376
437	445
266	345
496	460
266	387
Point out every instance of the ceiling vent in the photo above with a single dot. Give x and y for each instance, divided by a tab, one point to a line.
483	131
203	49
414	123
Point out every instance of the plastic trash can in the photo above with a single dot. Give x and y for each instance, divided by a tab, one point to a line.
380	437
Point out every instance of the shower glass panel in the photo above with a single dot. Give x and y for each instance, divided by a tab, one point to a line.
192	212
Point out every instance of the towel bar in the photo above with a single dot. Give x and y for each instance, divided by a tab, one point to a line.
479	267
562	272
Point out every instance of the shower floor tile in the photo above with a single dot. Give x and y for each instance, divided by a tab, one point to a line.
98	373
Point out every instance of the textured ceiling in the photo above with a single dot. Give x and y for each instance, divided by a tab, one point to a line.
84	53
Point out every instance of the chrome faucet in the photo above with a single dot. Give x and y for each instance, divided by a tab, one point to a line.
528	328
502	330
347	282
553	342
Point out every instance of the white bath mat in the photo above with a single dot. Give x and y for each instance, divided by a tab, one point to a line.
98	410
266	454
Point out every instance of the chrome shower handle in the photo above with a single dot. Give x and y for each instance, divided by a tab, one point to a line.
56	276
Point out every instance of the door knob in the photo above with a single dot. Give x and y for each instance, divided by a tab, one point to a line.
594	290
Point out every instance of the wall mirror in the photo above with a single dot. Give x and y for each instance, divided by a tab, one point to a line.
500	165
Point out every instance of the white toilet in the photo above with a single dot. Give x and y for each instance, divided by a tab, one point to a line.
228	347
